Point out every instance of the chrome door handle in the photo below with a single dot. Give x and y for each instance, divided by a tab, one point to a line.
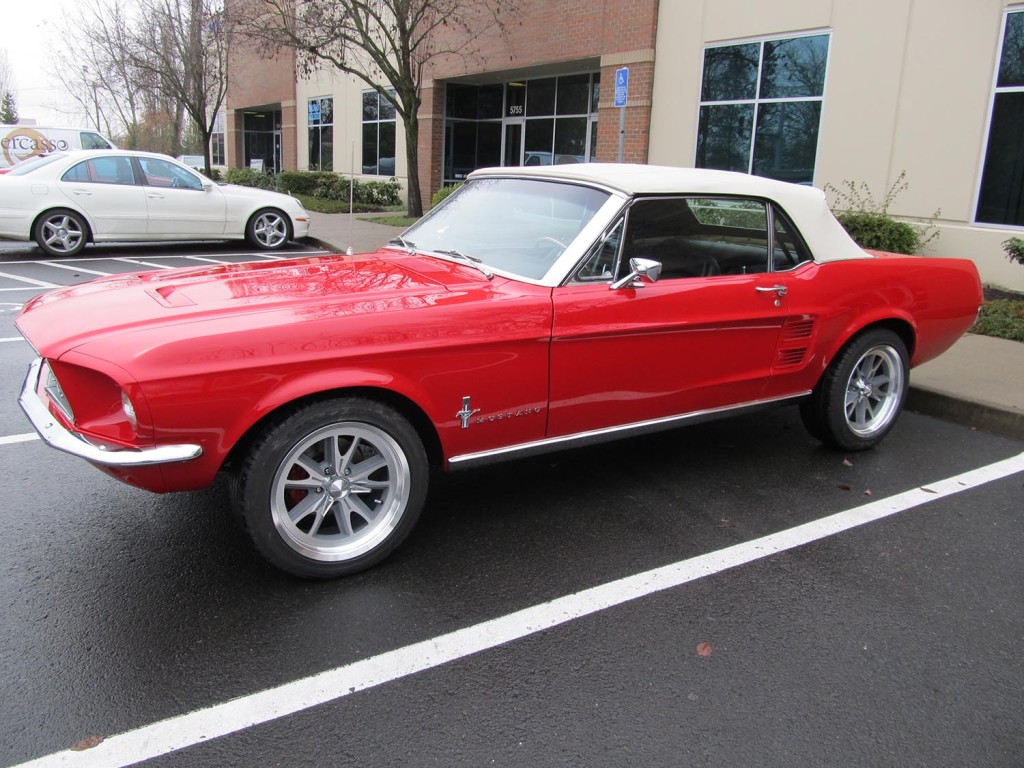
83	193
779	290
155	196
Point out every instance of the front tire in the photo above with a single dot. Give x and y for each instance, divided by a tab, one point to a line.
61	232
861	394
333	488
268	230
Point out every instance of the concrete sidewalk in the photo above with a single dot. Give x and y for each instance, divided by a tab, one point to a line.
978	383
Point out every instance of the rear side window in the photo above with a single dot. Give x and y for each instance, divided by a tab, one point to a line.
789	249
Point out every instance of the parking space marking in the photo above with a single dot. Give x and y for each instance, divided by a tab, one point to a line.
203	725
143	263
29	280
12	338
25	438
73	268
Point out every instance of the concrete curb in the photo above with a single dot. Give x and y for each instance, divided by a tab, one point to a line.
989	418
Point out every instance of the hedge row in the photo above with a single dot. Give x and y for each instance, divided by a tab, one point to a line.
322	184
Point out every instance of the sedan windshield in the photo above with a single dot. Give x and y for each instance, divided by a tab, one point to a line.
518	226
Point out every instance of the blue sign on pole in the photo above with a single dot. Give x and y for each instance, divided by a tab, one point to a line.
621	86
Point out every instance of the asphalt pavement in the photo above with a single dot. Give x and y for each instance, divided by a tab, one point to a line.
978	383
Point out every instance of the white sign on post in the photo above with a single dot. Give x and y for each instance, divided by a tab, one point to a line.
256	164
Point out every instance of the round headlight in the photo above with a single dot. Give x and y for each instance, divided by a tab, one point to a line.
129	410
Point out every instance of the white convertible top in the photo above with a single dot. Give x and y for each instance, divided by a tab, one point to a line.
805	205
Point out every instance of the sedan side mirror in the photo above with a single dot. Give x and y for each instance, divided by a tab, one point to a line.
639	268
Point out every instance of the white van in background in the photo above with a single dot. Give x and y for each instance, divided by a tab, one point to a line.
21	142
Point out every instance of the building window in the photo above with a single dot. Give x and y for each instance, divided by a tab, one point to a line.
320	116
760	107
218	155
1001	197
544	121
378	134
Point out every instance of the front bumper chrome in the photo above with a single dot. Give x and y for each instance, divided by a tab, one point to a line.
55	435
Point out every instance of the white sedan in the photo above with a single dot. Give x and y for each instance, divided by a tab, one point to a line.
65	200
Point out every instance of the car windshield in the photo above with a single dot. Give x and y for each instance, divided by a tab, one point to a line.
517	226
35	163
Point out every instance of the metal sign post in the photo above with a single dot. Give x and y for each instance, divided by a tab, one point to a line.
621	91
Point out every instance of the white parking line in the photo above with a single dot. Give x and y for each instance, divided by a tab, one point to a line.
29	280
11	439
12	338
143	263
222	719
73	268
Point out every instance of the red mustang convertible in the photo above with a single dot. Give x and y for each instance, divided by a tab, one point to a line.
536	309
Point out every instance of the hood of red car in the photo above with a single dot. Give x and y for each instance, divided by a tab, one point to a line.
325	286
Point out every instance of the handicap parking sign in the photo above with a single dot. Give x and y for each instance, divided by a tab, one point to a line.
621	86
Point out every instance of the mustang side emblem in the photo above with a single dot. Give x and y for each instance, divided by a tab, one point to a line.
466	413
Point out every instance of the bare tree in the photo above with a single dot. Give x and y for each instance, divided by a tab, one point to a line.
388	44
146	65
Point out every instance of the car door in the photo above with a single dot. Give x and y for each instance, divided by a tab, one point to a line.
105	189
700	338
178	202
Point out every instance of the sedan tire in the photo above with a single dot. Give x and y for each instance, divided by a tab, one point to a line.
333	487
861	394
268	229
61	232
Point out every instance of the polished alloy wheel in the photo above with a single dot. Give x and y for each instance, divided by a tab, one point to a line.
340	492
874	390
270	229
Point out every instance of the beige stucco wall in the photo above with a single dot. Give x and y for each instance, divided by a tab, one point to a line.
908	88
347	92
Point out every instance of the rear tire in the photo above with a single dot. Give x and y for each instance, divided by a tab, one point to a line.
61	232
333	487
861	394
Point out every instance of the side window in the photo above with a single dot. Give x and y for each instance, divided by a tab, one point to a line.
699	237
93	141
102	170
77	173
789	248
160	173
600	262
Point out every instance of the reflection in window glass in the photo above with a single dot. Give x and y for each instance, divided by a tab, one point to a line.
760	108
723	138
378	134
540	97
730	72
539	134
1001	197
515	225
573	95
570	140
794	67
787	140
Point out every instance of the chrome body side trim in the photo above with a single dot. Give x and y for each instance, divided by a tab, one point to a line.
54	434
606	434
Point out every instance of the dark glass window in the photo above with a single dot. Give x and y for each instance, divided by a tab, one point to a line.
760	108
378	134
573	95
320	118
540	97
1001	197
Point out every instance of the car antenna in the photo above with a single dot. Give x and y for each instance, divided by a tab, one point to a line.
351	197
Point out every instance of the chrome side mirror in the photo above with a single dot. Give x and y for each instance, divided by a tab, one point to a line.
639	268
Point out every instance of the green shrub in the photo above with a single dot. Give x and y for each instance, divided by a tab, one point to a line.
880	233
443	193
868	221
1014	248
247	177
1002	318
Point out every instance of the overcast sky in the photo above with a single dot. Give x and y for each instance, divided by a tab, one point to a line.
27	36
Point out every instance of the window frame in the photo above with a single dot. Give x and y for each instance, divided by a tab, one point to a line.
378	121
994	91
758	101
319	128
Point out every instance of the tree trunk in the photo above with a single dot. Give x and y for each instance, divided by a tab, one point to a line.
412	161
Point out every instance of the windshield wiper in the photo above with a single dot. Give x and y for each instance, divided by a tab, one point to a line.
399	240
473	261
